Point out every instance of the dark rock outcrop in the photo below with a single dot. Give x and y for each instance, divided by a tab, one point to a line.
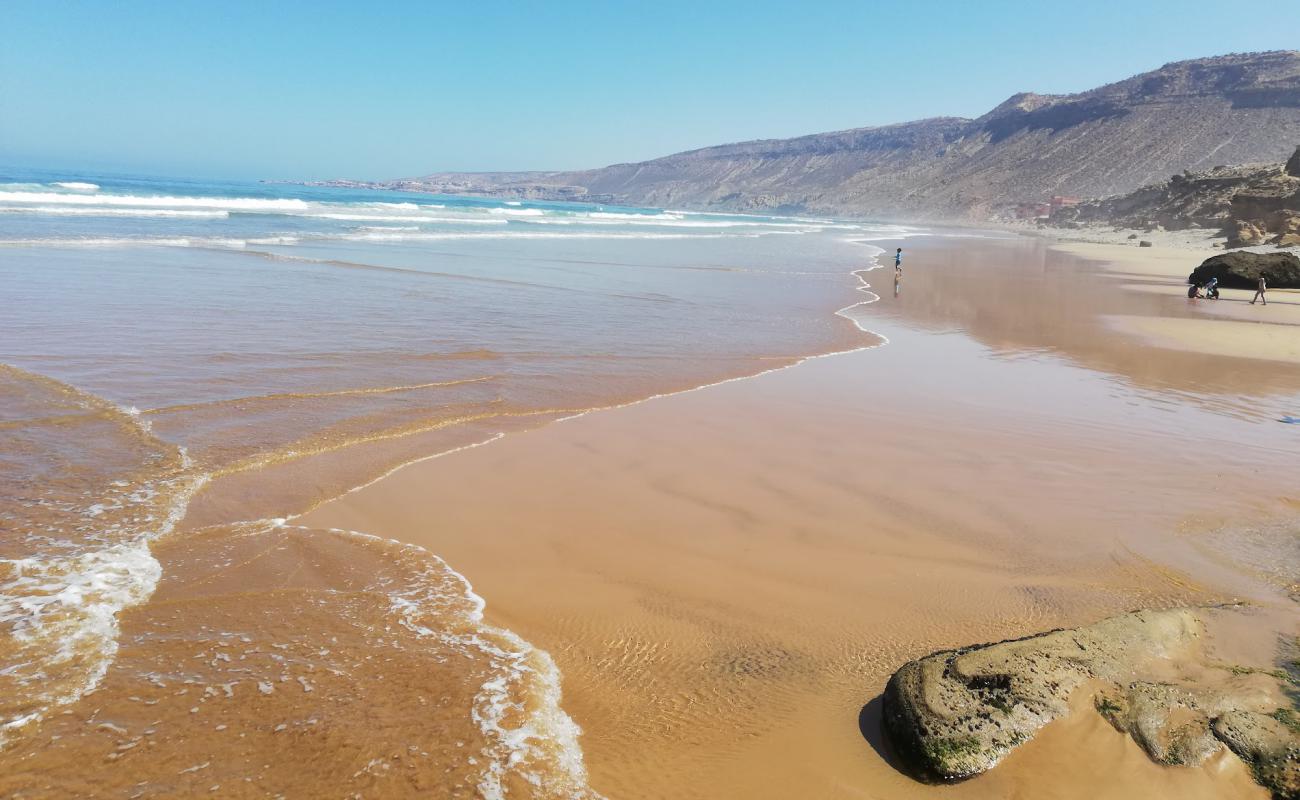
956	713
1293	164
1241	270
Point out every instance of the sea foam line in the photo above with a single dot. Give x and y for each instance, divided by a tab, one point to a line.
519	747
156	201
864	287
98	585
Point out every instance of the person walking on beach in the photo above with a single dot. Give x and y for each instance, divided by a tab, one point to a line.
1260	289
898	261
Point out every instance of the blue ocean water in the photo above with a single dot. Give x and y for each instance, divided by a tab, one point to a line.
40	206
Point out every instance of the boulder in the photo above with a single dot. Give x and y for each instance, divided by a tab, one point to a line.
956	713
1241	270
1292	167
1247	233
1144	243
1286	224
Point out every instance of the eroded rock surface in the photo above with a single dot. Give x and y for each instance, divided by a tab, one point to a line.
1248	204
957	713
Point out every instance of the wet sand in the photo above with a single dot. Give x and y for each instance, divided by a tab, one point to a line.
727	577
164	402
1231	326
724	578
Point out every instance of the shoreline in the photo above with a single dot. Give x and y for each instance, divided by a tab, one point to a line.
395	508
510	616
863	287
188	527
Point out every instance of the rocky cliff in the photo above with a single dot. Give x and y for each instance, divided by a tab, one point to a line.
1189	115
1250	204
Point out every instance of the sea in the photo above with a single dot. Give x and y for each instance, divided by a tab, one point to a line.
187	365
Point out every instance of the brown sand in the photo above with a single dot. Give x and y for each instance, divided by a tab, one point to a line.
726	577
1230	326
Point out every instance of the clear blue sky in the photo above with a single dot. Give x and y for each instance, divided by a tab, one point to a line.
385	89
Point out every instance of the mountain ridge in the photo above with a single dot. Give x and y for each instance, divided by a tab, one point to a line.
1185	115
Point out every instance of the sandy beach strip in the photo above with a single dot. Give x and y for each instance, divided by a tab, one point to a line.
1231	326
726	578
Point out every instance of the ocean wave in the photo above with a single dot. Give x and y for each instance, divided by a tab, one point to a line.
77	186
453	236
528	735
157	201
403	206
60	608
109	211
144	241
62	613
622	216
374	234
678	222
517	212
349	217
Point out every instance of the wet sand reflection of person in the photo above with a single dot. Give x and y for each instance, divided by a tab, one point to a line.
898	269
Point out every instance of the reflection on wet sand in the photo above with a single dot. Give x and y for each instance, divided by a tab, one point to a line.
726	577
1022	297
723	578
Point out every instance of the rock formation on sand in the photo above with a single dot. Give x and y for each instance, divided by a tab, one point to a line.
957	713
1241	270
1250	204
1187	115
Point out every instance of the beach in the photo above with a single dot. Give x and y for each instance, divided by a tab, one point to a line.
669	538
726	578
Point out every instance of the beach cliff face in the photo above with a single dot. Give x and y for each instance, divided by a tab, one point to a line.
1186	115
1247	204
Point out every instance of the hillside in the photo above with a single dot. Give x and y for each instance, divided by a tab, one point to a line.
1189	115
1249	204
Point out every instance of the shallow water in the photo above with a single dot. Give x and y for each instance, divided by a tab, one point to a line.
186	364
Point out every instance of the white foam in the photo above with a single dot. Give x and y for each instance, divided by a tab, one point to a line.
157	201
350	217
518	707
77	186
636	217
114	211
453	236
174	241
517	212
62	609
